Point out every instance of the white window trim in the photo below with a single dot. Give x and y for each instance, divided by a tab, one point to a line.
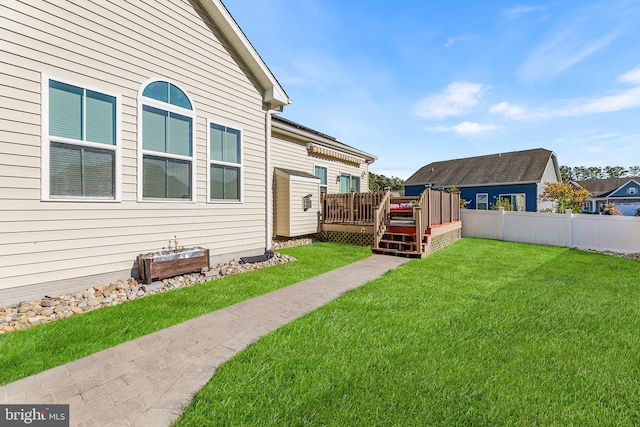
314	173
143	100
235	126
482	194
632	190
46	140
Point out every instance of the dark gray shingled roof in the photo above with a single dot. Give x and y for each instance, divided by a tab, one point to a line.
302	127
604	187
513	167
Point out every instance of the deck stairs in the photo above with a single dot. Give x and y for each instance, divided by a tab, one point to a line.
400	239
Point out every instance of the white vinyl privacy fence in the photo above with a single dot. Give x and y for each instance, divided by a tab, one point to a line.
597	232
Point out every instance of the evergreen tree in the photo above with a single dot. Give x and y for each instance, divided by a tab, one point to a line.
583	173
380	182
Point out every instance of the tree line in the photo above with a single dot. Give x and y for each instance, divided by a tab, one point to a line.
568	173
583	173
380	182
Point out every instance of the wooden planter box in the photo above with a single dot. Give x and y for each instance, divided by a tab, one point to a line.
163	264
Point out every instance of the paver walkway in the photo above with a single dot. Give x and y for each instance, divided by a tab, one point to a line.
149	381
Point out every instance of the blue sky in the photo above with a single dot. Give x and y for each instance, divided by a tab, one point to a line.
414	82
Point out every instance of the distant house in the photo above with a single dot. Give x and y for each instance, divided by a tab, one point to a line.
518	176
624	193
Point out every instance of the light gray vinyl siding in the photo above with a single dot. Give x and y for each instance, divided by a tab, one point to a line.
282	213
303	222
289	153
291	220
549	175
116	47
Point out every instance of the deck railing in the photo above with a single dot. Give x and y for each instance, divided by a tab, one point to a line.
351	208
380	218
433	207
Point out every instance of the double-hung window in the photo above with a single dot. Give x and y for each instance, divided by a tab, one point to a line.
482	201
81	144
225	163
167	160
349	182
321	172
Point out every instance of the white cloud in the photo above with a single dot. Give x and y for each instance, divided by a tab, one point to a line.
606	104
517	11
438	129
578	35
467	128
507	110
632	76
454	100
583	106
598	150
563	48
314	69
464	128
453	40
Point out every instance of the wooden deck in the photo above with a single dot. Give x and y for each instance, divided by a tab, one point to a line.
400	226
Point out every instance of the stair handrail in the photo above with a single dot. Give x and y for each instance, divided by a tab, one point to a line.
380	214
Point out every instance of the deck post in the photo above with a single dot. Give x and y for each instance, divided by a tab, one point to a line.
376	225
450	207
429	219
351	199
419	229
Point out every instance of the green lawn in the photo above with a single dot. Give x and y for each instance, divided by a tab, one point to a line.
480	333
34	350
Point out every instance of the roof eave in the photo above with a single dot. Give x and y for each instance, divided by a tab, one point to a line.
624	185
273	94
554	159
491	184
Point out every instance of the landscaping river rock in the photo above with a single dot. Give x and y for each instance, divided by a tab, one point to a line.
26	314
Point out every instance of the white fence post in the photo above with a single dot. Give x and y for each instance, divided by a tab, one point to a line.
597	232
569	225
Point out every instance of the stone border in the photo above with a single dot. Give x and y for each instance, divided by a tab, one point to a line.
26	314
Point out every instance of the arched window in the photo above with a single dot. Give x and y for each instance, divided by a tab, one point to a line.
167	118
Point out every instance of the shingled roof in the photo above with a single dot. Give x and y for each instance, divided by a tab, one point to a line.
526	166
604	187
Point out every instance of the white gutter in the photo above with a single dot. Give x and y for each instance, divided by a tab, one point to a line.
267	167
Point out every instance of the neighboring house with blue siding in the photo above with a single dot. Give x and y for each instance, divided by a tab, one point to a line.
624	193
518	176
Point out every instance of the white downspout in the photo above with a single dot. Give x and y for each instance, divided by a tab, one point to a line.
268	176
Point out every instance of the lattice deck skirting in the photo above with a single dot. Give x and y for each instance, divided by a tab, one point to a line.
358	239
361	239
